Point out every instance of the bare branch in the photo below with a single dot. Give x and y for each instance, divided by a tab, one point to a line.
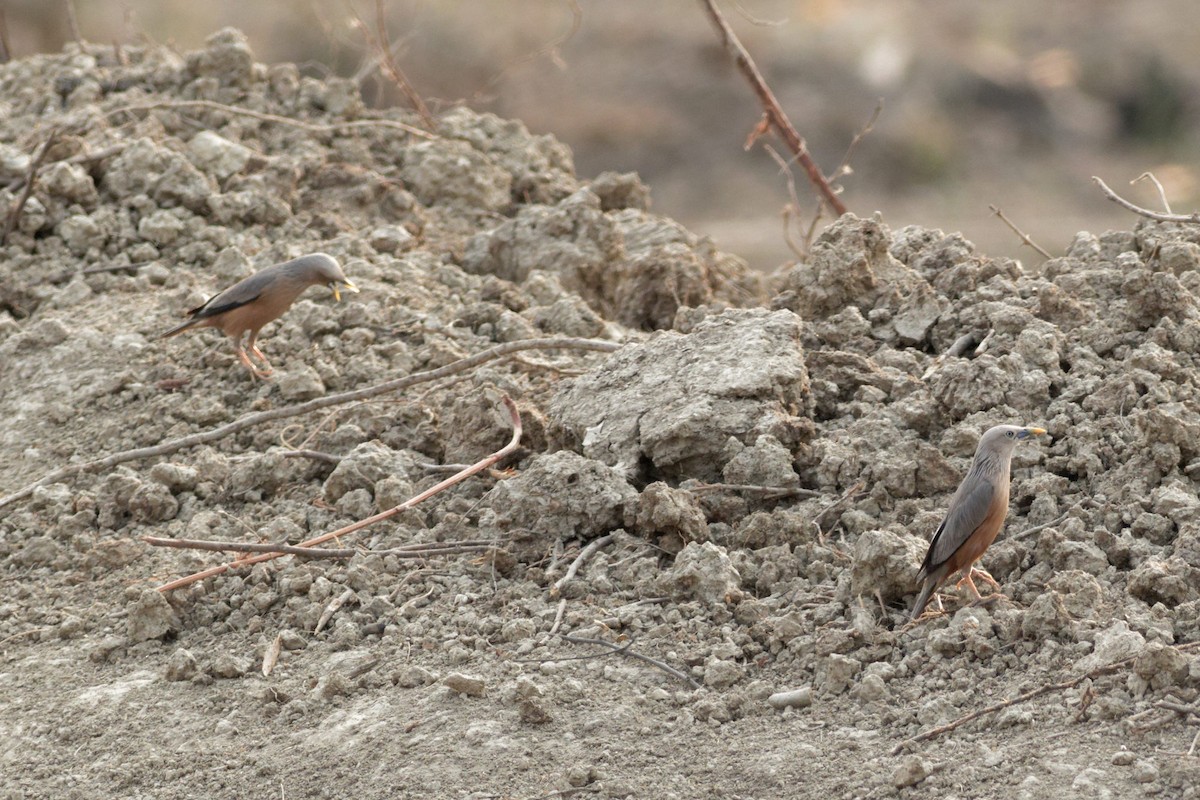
1024	238
251	420
1162	194
778	120
14	215
407	551
583	556
478	466
1144	212
625	651
295	123
844	167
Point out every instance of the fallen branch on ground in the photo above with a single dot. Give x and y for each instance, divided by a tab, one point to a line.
583	556
769	491
251	420
625	650
478	466
773	113
1021	698
14	215
405	551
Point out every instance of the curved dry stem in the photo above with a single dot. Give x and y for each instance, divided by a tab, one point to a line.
251	420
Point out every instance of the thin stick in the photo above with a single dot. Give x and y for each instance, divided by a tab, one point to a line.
15	214
1021	698
859	135
258	418
774	113
625	651
5	49
583	556
71	273
792	210
332	608
478	466
72	22
1038	528
315	455
781	491
558	616
384	46
1162	194
1144	212
846	497
407	551
1020	233
295	123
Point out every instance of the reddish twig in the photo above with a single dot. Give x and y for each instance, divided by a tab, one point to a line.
15	214
478	466
774	113
383	56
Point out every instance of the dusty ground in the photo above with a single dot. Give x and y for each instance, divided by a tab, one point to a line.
814	398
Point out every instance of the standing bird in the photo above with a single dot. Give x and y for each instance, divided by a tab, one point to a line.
250	304
975	515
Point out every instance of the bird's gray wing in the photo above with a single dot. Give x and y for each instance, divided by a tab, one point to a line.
235	296
966	513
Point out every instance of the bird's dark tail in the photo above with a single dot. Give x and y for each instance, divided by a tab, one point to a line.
922	599
180	328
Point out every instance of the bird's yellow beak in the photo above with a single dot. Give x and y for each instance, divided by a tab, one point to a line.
349	287
1033	432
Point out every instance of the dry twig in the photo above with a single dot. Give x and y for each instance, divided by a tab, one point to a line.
626	651
14	215
770	492
583	556
382	45
332	609
1020	233
1144	212
933	733
251	420
295	123
1162	193
771	108
423	550
363	523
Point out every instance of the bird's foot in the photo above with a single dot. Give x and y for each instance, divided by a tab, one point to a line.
990	600
261	374
985	576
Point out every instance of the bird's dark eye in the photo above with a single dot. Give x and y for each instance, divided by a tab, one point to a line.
1009	434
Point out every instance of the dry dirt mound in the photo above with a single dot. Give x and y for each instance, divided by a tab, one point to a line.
766	457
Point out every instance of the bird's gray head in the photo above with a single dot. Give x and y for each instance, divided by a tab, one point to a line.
324	268
1003	438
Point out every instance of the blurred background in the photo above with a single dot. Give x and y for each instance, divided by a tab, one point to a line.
1014	104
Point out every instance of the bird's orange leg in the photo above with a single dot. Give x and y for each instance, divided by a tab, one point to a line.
248	364
986	577
966	578
251	343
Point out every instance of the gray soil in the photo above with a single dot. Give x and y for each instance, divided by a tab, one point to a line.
766	455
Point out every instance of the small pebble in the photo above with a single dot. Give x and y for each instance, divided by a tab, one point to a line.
465	684
912	770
